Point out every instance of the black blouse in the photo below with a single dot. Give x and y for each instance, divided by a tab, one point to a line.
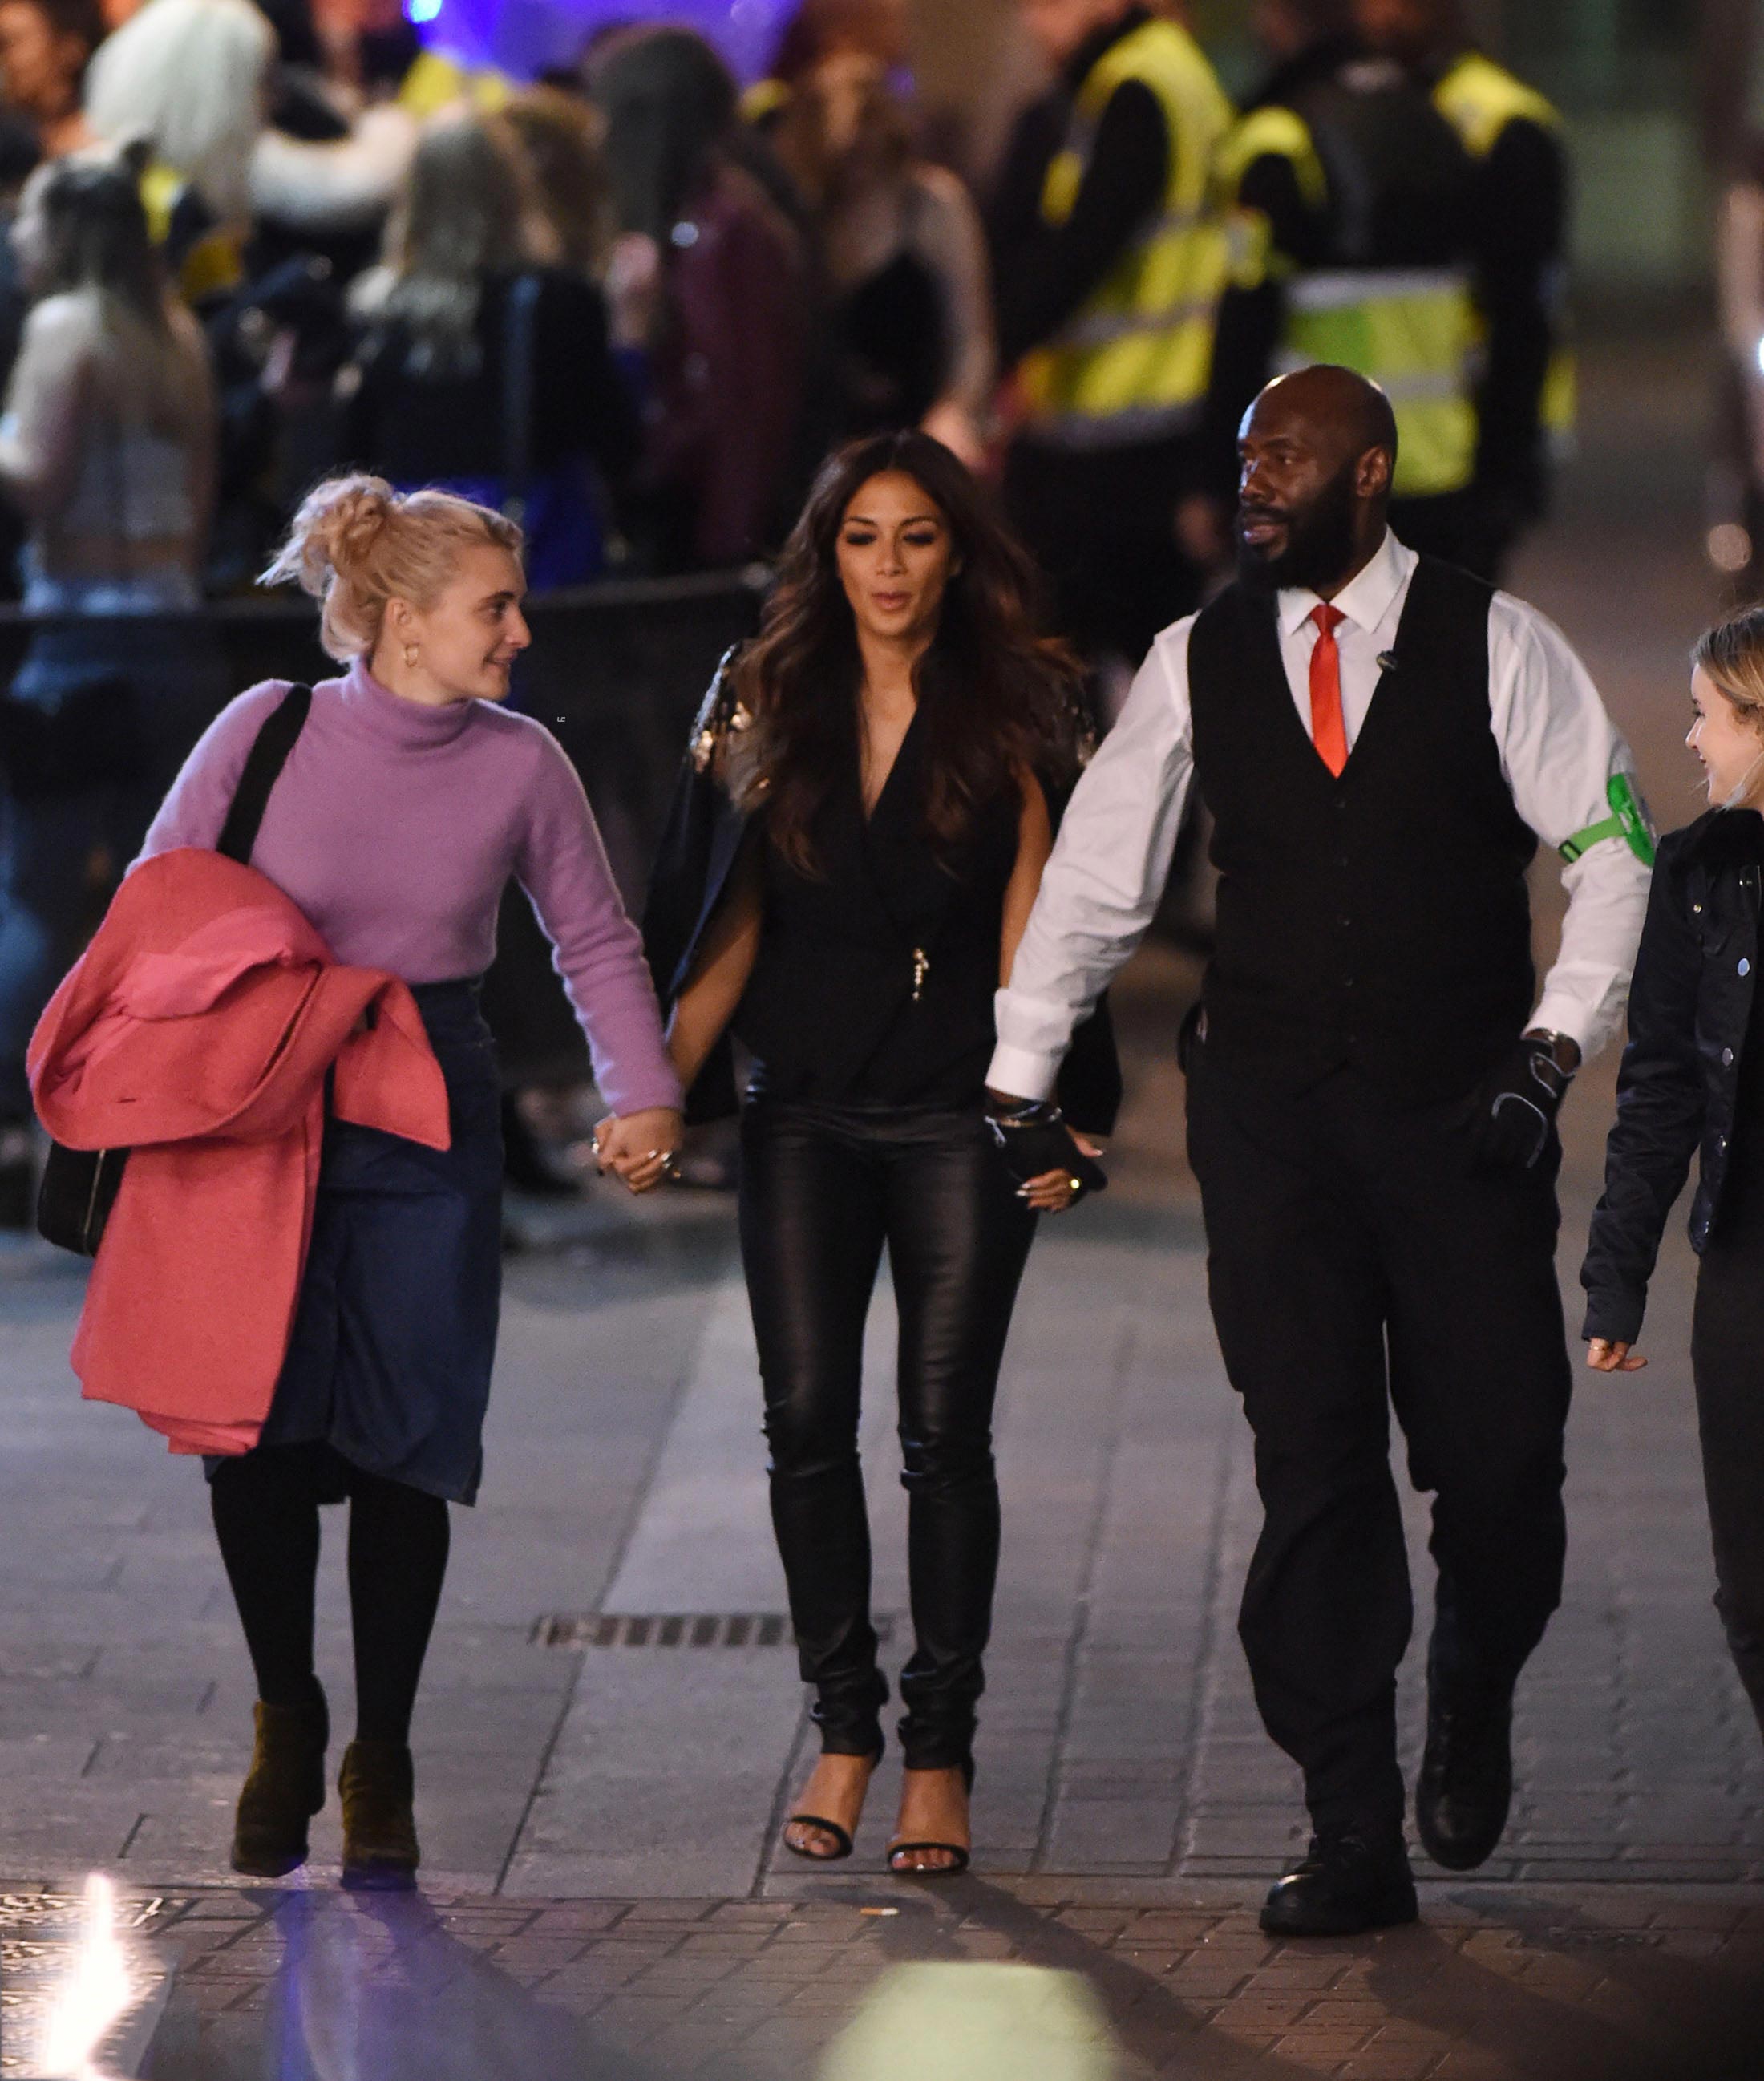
954	920
875	976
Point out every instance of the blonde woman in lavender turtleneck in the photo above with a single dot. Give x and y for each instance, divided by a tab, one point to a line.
408	799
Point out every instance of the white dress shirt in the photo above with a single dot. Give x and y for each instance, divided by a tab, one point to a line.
1558	752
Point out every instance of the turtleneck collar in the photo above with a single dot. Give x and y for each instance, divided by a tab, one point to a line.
413	725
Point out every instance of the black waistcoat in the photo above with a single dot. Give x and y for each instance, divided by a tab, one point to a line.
1379	920
830	1010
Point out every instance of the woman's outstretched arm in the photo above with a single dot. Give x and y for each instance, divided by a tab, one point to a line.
1035	848
720	973
1051	1193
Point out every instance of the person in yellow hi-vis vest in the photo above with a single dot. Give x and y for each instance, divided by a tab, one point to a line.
1525	394
1350	206
1109	261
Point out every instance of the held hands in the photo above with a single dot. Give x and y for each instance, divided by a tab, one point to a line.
1055	1166
1051	1192
641	1149
1605	1355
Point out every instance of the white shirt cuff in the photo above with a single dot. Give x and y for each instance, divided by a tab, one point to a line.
1565	1015
1022	1073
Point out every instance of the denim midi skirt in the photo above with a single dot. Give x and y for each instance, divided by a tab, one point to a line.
395	1330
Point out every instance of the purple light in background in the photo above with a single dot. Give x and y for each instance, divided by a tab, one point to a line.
523	36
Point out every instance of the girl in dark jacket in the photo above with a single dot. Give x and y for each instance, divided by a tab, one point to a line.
858	843
1693	1078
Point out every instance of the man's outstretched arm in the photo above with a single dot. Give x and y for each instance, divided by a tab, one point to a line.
1102	888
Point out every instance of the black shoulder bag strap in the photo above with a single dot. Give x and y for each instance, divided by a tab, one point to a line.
263	764
79	1186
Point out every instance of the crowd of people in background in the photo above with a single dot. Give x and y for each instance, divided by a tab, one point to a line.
632	305
641	304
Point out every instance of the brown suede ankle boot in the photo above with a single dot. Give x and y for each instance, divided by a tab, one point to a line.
284	1788
378	1785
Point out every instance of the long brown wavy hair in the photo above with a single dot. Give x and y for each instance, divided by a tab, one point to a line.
996	698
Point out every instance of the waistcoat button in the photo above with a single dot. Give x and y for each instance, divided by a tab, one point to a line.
1727	1057
1745	966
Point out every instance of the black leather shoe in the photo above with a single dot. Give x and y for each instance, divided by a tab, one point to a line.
1346	1885
1466	1782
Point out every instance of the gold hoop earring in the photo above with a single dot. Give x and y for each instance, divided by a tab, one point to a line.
411	654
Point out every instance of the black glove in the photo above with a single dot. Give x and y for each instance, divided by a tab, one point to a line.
1513	1113
1034	1139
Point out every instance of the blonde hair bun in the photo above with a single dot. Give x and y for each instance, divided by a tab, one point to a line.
356	543
333	532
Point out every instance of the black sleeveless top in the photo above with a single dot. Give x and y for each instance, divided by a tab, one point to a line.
874	977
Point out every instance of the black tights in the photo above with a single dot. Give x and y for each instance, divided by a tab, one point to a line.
266	1515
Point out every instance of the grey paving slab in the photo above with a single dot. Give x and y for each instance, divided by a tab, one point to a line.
1624	1984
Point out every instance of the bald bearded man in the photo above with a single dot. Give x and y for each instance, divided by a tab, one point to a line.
1382	740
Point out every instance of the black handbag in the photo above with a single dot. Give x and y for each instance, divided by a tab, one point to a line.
80	1186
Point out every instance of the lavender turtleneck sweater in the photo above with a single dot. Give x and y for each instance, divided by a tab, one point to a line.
395	827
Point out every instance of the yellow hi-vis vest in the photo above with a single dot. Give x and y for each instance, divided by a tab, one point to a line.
1479	99
436	82
1412	330
1133	364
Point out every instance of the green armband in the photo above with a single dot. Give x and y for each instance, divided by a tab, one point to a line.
1628	821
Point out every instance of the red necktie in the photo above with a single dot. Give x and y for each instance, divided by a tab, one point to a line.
1329	729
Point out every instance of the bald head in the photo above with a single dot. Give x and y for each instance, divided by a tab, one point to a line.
1339	413
1317	449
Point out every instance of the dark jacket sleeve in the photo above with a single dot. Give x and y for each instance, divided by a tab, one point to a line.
1043	274
1522	206
1089	1090
1659	1113
698	846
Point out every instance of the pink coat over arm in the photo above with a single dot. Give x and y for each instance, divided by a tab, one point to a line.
196	1031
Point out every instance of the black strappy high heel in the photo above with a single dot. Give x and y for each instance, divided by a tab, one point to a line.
842	1837
963	1857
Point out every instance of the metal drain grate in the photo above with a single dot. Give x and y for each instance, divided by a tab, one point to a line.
581	1630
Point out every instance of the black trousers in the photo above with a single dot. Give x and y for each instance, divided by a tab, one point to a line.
1355	1263
822	1190
1727	1357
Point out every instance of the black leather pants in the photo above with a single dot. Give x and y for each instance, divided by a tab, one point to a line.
823	1188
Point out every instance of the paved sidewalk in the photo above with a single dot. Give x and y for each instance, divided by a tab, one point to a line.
1551	1985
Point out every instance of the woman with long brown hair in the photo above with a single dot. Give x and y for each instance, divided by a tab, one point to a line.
867	812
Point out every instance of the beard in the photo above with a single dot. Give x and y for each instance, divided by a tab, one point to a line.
1320	543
